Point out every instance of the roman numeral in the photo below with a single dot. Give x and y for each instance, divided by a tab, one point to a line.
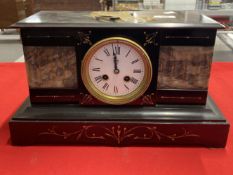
137	71
96	69
115	89
133	80
98	59
116	49
128	53
98	79
134	61
105	86
126	86
106	52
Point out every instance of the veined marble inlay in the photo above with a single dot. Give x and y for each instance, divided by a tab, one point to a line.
184	67
51	67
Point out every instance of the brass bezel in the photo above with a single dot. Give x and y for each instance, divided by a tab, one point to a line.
116	100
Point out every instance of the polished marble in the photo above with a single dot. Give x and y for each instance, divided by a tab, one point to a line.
184	67
51	67
168	19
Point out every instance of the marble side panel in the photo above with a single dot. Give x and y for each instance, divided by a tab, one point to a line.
184	67
51	67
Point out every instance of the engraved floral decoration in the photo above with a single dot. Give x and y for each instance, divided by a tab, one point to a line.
181	98
187	37
87	99
148	100
150	38
63	134
118	133
84	38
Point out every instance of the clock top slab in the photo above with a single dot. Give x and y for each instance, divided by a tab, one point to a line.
119	19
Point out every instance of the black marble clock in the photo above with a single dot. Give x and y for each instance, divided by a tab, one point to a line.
123	62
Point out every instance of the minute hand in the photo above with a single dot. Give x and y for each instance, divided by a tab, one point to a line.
116	70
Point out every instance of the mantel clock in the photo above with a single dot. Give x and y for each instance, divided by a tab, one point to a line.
118	78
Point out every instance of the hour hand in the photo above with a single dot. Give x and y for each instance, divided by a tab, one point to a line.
116	70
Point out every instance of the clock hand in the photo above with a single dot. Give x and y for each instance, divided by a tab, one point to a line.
116	70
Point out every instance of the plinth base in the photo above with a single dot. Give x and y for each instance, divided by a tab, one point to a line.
163	125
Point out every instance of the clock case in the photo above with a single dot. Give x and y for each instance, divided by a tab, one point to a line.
81	39
175	112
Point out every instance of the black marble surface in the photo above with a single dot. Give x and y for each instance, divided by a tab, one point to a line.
153	19
161	113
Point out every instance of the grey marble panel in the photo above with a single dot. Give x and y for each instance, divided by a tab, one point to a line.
184	67
51	67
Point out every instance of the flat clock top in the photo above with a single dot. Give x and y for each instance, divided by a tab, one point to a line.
153	19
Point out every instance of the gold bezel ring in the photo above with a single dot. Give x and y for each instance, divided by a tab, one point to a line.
116	100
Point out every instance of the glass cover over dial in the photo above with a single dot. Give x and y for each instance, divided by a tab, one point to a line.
116	70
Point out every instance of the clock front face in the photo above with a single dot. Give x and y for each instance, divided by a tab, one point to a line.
116	70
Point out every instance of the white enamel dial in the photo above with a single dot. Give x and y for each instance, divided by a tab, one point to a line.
117	70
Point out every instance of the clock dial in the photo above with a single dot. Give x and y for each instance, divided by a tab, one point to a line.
116	74
116	70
